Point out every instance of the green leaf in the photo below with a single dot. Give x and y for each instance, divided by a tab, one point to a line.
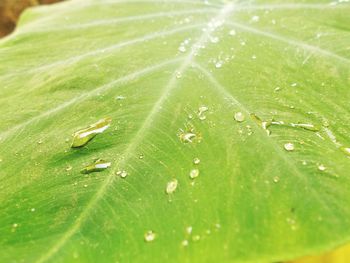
258	91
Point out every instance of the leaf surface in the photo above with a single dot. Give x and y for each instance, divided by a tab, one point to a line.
273	145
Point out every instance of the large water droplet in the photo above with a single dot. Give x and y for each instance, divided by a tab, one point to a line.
171	186
97	166
82	137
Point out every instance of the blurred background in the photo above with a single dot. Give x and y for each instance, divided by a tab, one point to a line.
10	11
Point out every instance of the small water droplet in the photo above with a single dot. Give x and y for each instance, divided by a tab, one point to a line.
184	243
321	167
171	186
255	19
214	39
289	146
85	185
276	179
40	141
32	209
15	225
68	168
149	236
122	173
194	173
294	84
196	238
218	64
232	32
239	116
120	97
182	48
189	230
196	160
97	166
189	136
83	136
178	74
141	156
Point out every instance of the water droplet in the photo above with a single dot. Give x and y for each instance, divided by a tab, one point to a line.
196	238
184	243
97	166
68	168
276	179
294	84
141	156
120	97
254	57
196	160
255	19
171	186
202	109
178	74
214	39
218	64
232	32
239	116
346	150
189	136
305	126
182	48
321	167
85	185
189	230
122	173
15	225
40	141
149	236
82	137
194	173
32	210
289	146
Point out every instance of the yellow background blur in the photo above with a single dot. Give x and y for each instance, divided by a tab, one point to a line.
340	255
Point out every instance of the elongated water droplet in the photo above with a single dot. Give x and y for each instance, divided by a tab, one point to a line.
184	243
171	186
150	236
239	116
194	173
289	147
196	238
346	150
306	126
82	137
97	166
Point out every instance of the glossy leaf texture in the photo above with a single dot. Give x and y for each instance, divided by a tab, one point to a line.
257	91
